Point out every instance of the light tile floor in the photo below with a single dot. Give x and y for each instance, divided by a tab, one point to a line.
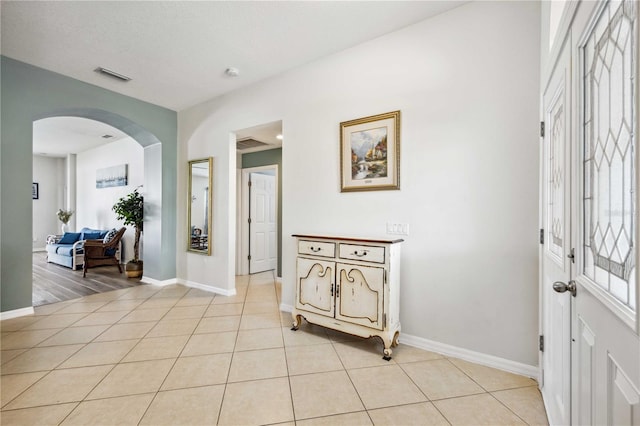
178	356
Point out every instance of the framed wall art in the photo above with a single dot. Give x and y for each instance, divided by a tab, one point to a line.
112	176
370	153
35	191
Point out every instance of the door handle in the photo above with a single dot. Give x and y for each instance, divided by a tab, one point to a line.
561	287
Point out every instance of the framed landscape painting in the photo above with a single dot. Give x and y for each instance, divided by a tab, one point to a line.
112	176
370	153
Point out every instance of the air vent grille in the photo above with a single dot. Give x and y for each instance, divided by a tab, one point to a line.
112	74
248	143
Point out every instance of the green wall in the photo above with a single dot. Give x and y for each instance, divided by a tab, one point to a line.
30	93
267	158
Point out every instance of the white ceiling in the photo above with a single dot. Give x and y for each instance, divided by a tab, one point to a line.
59	136
176	52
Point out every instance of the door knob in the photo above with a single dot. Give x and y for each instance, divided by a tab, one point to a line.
561	287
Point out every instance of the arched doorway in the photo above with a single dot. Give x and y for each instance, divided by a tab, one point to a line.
29	94
152	181
69	153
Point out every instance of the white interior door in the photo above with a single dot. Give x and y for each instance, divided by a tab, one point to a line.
606	348
556	221
262	225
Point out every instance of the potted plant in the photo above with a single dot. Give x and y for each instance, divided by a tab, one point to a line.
130	209
64	216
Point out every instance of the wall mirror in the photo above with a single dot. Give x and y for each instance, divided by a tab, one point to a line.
199	206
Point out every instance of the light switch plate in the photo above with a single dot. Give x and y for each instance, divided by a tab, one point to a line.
397	228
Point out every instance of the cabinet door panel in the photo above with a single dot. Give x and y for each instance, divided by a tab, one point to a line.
315	286
361	296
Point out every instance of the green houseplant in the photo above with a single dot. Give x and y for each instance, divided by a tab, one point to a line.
130	209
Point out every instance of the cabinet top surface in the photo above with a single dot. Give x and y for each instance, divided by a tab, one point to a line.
354	239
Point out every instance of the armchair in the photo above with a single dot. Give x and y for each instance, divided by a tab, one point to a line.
99	253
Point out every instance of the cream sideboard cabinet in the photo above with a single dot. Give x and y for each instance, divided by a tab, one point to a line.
350	285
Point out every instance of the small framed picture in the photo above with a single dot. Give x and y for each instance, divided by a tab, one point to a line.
35	192
370	153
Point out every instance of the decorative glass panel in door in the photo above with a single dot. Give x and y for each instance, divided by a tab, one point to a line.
609	204
556	183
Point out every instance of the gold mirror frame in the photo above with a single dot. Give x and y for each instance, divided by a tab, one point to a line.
199	226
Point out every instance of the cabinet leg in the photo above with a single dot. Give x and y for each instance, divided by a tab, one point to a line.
387	354
297	319
396	339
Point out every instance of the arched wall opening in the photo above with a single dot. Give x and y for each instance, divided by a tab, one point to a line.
29	94
68	155
71	150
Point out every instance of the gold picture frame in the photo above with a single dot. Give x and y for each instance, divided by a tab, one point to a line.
370	153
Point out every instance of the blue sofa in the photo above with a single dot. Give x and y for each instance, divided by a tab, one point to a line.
67	250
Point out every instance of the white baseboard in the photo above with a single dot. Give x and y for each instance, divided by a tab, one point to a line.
472	356
286	308
17	313
148	280
465	354
217	290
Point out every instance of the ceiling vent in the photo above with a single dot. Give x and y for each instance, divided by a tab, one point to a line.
249	143
112	74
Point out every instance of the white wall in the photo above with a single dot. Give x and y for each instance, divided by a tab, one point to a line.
49	173
95	204
466	82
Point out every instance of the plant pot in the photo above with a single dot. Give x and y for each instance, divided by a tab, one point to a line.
133	269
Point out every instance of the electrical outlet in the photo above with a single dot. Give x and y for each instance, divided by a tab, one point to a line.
397	228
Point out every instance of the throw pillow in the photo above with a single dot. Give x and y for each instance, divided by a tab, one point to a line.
91	236
69	238
107	238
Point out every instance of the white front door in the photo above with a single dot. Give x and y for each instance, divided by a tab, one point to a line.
556	248
262	226
606	345
591	371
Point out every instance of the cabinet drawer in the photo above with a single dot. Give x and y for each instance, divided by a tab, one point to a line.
317	248
364	253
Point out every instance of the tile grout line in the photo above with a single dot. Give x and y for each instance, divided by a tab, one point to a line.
114	365
344	368
286	359
176	359
84	399
224	390
510	410
421	391
55	368
483	388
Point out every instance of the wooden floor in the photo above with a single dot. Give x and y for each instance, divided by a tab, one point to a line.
54	283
